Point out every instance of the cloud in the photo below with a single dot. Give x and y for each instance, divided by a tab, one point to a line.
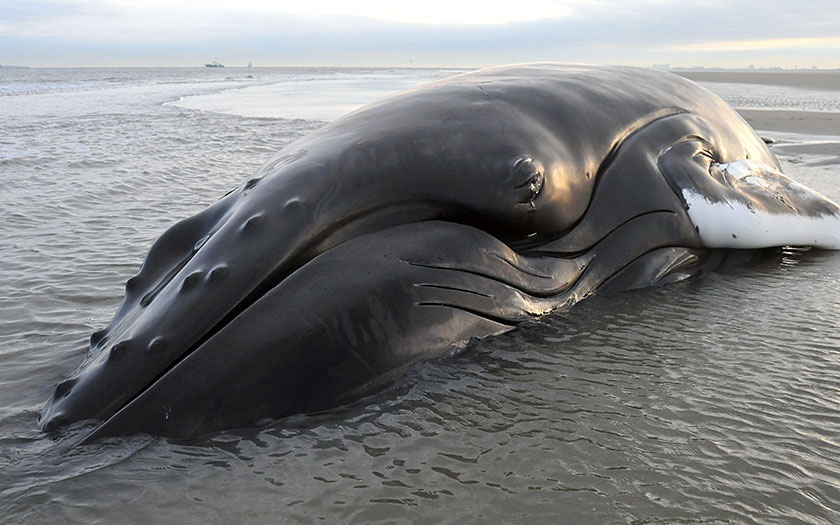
434	12
771	43
327	32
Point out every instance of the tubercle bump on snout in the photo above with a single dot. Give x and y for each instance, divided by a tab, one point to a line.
55	422
63	388
217	274
156	345
191	281
251	183
97	338
119	350
253	223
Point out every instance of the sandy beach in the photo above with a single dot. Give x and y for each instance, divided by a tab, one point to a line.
804	122
824	80
768	122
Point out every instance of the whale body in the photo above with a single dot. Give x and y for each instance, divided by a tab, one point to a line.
406	228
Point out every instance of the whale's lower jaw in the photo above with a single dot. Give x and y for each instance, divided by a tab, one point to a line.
732	224
745	204
755	206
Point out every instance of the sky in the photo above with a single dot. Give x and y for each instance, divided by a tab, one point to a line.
74	33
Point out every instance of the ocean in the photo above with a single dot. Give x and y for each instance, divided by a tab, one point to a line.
715	399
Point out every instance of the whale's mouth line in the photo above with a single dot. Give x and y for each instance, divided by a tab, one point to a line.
557	249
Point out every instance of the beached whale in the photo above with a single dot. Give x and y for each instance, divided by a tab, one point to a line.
404	229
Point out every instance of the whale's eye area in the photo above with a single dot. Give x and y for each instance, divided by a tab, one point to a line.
527	177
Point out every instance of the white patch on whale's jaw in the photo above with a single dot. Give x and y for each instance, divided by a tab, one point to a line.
734	223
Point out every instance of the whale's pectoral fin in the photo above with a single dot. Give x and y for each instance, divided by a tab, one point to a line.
747	204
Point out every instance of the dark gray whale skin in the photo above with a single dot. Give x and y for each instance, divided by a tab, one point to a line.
398	233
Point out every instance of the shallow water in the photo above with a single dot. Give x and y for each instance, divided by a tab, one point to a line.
716	399
757	96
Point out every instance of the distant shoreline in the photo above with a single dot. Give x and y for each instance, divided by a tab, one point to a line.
822	80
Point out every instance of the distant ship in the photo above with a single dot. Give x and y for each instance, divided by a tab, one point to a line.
250	64
214	63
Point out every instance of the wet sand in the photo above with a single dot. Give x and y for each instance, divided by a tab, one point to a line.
827	80
802	122
805	122
768	122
